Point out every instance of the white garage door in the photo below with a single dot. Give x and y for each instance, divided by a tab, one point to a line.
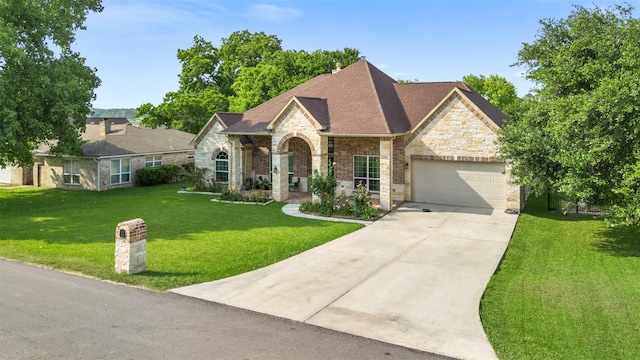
459	183
5	175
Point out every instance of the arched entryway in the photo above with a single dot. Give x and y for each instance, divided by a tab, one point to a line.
293	166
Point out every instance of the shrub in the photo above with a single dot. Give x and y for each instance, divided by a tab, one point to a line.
158	175
194	176
361	198
228	194
259	196
214	186
324	187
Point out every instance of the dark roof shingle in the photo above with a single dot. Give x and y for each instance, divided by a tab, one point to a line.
360	100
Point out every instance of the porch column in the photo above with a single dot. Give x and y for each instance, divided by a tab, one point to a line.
386	173
280	177
235	163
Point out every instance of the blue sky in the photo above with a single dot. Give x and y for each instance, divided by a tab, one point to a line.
133	44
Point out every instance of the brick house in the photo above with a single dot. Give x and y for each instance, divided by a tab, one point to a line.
113	150
420	142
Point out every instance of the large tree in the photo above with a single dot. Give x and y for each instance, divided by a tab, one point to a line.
580	133
43	82
247	69
497	90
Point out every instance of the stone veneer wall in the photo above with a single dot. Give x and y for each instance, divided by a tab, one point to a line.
294	125
457	132
210	144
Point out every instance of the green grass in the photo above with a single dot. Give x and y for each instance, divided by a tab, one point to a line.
568	287
189	238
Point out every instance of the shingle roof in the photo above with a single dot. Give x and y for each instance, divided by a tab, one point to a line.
126	139
360	100
113	120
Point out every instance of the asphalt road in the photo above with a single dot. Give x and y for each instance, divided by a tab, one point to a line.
47	314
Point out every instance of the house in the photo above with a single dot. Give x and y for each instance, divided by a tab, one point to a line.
423	142
113	150
16	175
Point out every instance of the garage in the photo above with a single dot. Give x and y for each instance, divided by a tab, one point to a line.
5	175
475	184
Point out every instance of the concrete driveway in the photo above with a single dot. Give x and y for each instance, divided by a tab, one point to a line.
412	278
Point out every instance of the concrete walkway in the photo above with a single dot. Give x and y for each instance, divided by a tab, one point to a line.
412	278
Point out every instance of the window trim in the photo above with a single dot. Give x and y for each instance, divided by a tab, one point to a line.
221	160
367	178
156	160
75	172
120	172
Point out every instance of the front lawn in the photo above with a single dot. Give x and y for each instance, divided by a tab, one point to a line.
189	238
567	288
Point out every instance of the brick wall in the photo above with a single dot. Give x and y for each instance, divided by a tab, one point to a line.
260	156
301	157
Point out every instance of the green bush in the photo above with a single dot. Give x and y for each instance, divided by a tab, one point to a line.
157	175
194	176
231	195
259	196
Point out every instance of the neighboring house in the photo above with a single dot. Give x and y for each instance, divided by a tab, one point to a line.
113	151
422	142
16	175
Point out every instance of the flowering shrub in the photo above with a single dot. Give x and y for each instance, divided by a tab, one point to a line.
324	187
259	196
231	195
358	205
342	205
361	199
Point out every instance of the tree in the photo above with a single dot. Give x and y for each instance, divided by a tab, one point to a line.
43	82
282	71
247	69
497	90
580	131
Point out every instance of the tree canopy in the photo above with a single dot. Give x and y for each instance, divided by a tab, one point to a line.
245	71
580	131
43	82
497	90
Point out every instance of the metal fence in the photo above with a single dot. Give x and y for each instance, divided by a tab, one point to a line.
558	202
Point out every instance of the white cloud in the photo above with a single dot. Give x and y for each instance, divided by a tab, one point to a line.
272	13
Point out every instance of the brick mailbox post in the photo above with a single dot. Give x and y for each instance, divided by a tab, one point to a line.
131	246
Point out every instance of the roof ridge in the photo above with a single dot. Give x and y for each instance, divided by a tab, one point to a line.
377	95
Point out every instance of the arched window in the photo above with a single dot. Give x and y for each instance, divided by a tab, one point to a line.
222	167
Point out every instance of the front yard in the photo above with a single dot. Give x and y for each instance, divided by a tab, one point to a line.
567	288
190	239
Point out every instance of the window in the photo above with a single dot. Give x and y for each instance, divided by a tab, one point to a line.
152	161
222	166
366	170
71	172
120	171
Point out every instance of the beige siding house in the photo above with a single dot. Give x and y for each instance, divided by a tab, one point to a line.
421	142
114	150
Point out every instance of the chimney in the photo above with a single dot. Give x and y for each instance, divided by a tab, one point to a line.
337	69
105	127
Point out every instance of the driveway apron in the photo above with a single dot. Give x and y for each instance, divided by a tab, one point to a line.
413	278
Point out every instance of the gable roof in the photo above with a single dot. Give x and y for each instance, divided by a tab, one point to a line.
126	139
359	100
225	118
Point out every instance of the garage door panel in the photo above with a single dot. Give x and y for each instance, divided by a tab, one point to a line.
458	183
